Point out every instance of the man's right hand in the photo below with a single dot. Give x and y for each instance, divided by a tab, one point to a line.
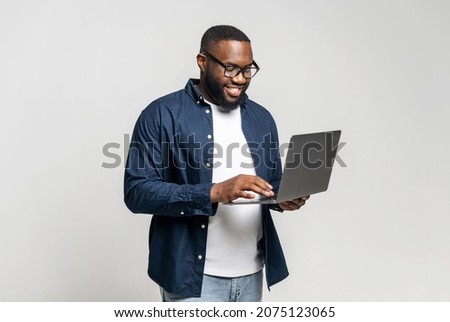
241	186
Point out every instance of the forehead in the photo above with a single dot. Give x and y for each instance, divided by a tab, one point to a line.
233	51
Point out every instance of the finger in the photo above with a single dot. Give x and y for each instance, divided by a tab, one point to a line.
261	190
244	181
246	184
288	205
257	190
246	195
292	204
299	205
263	184
298	201
256	187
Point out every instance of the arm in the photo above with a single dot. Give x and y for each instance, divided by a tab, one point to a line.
149	184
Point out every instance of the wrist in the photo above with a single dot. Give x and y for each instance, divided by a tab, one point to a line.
214	193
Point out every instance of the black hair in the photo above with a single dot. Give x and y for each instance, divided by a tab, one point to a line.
221	32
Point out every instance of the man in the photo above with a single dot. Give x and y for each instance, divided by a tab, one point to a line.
192	152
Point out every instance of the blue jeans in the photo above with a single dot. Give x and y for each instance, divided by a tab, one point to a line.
223	289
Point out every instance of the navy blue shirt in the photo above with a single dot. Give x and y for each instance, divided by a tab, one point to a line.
169	175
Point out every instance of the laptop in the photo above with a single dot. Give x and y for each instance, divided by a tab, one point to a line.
307	168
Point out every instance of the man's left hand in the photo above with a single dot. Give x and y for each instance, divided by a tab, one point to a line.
293	204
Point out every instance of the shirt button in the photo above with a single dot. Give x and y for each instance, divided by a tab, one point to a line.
198	102
200	257
209	136
207	111
203	226
208	165
182	213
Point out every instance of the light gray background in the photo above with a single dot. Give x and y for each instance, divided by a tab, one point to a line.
74	75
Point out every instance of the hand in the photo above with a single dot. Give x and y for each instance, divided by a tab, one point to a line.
240	186
293	204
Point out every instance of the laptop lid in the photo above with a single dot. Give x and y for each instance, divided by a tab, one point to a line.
308	164
307	167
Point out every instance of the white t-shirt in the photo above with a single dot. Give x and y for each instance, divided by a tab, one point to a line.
234	232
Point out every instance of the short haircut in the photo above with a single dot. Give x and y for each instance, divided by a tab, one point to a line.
221	32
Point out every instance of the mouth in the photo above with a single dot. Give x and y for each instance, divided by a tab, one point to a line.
233	91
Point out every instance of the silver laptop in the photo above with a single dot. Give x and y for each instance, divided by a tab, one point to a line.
307	167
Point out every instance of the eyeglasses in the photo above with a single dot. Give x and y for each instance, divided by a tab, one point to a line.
232	71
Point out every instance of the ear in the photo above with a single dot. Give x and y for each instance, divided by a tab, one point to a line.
201	62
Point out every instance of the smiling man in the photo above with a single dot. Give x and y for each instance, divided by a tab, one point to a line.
194	151
225	89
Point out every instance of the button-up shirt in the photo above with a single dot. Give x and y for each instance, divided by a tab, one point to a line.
169	175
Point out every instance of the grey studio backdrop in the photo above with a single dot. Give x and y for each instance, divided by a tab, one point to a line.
75	75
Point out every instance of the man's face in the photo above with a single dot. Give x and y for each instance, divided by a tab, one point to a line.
219	89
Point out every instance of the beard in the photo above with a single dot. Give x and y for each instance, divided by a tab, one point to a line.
216	91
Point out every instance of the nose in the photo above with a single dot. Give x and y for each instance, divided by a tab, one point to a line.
239	78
